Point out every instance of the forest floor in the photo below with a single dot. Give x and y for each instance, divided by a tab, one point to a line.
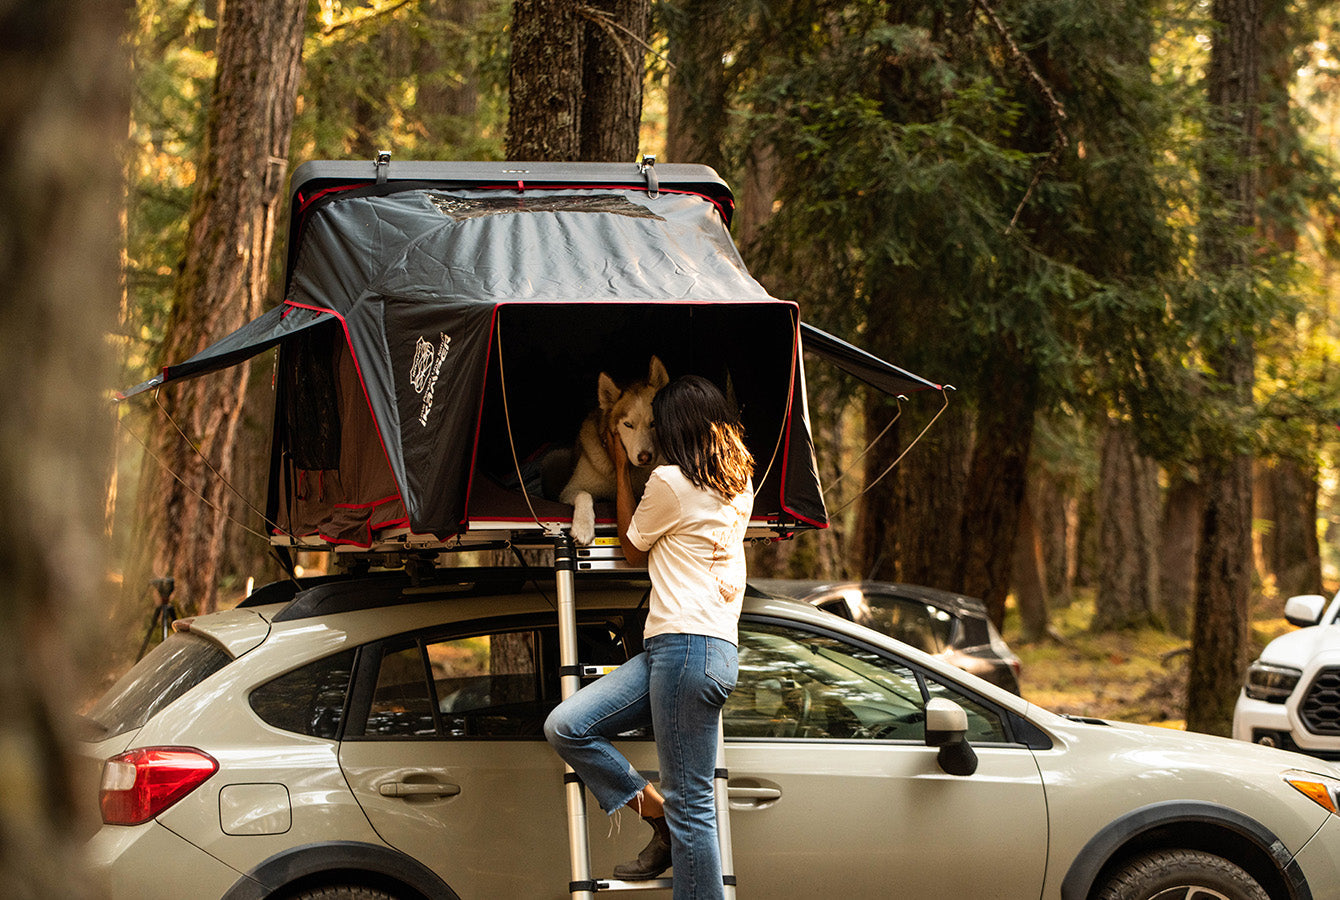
1137	675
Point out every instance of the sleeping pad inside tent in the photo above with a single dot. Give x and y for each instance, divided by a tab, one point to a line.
445	325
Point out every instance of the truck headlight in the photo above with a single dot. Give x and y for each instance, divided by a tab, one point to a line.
1273	684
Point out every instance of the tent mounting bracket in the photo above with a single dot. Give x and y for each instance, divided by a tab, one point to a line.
648	170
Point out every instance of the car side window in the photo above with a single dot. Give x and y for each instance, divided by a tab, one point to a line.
488	685
401	704
799	684
475	686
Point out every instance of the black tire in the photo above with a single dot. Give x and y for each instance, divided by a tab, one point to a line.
342	892
1180	875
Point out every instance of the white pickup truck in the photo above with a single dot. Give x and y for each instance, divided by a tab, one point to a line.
1291	695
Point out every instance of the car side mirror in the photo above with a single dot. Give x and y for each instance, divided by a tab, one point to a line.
947	728
1305	609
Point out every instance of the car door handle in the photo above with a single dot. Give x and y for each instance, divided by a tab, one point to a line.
753	796
418	789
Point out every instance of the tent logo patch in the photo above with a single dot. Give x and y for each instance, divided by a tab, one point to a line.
425	370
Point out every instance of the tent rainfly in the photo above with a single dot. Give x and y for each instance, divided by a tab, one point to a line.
444	326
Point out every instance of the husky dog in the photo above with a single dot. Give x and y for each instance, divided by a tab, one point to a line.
623	411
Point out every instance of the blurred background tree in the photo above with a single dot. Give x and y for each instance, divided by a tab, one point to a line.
64	107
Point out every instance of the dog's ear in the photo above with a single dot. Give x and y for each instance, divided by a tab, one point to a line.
607	391
656	374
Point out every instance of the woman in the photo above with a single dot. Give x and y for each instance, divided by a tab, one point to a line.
688	530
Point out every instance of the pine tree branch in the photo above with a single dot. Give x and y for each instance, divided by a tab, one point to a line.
1055	110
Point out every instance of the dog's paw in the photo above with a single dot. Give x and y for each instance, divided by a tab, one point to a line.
583	520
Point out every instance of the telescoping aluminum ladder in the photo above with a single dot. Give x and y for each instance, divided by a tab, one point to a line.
583	885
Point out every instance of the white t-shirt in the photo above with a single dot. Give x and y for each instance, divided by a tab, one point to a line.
695	543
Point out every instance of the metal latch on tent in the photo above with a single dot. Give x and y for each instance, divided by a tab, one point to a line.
648	170
382	165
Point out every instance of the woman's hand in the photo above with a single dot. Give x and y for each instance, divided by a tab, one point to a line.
624	503
618	456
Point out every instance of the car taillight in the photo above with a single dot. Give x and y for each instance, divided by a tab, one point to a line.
140	784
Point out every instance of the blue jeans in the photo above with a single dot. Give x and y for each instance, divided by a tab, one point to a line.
678	685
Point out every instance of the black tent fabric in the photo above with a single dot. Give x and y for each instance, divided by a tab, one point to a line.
466	331
881	375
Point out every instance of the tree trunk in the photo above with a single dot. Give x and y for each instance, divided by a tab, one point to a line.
1057	516
64	109
698	35
1224	564
1128	534
1290	547
996	480
239	188
545	82
613	66
1183	506
1029	579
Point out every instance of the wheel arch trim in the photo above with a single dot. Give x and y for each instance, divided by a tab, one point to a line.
301	862
1100	849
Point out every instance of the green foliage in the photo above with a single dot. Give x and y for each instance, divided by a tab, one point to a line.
171	45
426	80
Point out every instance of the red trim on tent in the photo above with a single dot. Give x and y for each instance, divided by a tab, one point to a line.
391	498
358	369
786	438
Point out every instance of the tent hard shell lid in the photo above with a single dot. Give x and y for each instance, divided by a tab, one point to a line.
444	326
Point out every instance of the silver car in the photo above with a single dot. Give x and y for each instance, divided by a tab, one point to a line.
380	736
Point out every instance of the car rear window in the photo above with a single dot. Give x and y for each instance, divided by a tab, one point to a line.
309	700
170	670
926	627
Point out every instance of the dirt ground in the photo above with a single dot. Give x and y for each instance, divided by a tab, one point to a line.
1137	676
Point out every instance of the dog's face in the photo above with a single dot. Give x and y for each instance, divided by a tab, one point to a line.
627	412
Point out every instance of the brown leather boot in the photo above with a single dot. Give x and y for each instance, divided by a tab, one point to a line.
654	858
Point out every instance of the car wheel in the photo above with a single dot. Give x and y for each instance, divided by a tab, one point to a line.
1180	875
342	892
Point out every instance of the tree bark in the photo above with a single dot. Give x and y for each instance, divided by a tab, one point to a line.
64	112
1029	578
997	478
613	66
239	188
1128	534
1290	549
696	115
545	82
1057	516
1224	563
1183	506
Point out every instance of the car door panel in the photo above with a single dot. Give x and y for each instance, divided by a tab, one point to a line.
503	835
841	820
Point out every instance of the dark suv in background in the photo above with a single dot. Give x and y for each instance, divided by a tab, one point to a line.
951	626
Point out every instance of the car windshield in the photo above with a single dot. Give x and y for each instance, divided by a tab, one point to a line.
173	668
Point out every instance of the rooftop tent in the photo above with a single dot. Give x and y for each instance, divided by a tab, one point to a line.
444	326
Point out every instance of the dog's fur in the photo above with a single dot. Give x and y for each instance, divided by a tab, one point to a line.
625	411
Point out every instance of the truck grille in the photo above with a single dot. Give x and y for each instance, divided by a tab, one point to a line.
1320	709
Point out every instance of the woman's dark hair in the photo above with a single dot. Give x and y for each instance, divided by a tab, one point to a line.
701	433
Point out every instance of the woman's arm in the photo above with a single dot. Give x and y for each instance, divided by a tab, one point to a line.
624	503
